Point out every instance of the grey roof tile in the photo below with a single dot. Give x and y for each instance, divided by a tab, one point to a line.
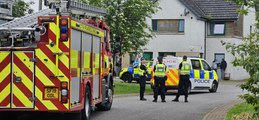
212	9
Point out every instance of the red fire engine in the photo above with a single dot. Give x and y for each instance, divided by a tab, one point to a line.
58	64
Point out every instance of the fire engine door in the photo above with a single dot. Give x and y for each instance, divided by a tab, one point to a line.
96	65
22	79
5	77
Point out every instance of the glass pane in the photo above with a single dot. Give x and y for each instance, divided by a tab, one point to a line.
196	64
181	26
205	66
154	25
219	29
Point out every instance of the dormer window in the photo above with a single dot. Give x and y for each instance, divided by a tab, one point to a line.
217	28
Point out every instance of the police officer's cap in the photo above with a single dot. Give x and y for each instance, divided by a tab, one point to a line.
185	57
159	58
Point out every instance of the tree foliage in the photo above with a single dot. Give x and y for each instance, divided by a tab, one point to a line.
247	56
127	20
20	8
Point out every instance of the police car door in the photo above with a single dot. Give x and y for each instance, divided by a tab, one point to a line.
208	74
196	73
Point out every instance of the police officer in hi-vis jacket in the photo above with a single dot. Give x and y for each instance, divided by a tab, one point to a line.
184	83
142	79
160	78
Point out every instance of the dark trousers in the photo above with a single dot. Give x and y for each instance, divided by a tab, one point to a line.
142	85
183	86
159	86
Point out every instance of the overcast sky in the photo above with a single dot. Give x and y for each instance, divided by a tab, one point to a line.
35	6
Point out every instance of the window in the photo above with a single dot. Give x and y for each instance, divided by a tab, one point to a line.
196	64
133	56
218	57
164	54
181	26
154	25
206	66
217	29
168	25
148	55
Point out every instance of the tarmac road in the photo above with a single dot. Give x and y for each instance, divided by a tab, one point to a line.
130	108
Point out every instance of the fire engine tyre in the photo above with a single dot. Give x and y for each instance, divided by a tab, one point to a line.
85	113
214	87
107	106
127	77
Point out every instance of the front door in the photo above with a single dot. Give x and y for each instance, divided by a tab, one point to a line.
22	79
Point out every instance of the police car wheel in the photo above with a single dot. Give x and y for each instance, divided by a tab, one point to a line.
127	77
214	87
85	114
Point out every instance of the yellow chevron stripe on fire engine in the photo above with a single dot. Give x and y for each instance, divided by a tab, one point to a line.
5	92
5	72
22	56
63	58
47	103
27	82
49	63
20	96
44	79
3	55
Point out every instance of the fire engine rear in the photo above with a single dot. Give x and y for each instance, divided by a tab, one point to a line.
59	64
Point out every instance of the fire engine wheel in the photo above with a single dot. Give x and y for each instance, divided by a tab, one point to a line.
87	109
214	87
127	77
107	106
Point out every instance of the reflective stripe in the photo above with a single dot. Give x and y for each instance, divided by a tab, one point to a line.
186	67
160	70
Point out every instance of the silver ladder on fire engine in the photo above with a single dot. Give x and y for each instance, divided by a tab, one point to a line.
68	6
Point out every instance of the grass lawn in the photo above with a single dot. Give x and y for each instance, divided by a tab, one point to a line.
238	109
129	88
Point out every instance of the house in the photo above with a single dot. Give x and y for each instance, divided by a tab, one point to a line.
196	28
5	10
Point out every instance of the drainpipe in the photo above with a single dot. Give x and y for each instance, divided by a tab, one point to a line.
205	39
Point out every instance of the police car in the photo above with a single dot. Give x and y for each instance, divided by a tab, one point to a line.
132	73
202	77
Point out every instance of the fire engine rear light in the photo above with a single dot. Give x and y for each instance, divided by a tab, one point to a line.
63	22
64	99
64	85
63	37
64	92
63	29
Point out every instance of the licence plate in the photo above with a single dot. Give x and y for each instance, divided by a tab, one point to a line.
51	93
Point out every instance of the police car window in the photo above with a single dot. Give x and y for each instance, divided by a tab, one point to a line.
196	64
205	65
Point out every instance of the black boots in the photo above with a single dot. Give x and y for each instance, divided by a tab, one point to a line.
175	100
185	99
143	99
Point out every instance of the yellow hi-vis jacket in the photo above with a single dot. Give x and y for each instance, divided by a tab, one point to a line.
185	69
160	70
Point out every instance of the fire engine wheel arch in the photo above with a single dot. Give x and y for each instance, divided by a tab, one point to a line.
85	113
109	96
214	87
127	77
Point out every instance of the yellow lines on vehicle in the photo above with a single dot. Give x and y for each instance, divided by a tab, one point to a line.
44	79
47	103
21	97
4	93
5	72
